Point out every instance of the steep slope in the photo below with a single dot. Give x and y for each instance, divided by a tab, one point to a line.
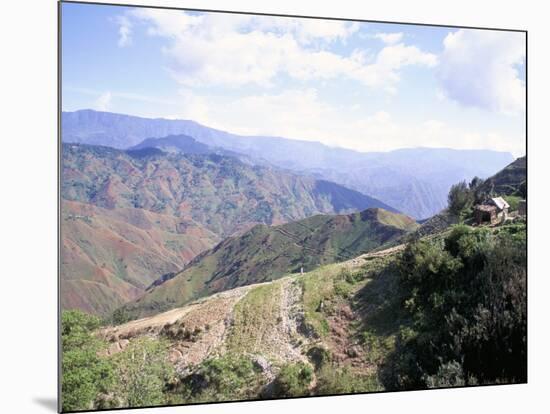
414	181
220	193
266	253
508	180
109	256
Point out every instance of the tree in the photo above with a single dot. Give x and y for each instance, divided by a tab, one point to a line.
475	183
477	190
85	375
460	200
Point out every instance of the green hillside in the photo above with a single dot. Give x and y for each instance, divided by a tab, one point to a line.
266	253
425	315
509	180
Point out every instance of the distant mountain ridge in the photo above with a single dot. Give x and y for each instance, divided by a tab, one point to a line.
220	192
187	145
414	181
267	253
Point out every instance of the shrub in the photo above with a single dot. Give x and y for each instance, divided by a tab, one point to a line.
448	375
318	356
334	380
143	371
513	202
85	375
466	299
293	380
120	316
230	377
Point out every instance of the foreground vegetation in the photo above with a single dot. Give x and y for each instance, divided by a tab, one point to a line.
446	311
465	298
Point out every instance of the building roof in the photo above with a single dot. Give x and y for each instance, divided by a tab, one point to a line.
485	207
500	203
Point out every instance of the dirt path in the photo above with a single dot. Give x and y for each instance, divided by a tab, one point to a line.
201	329
195	331
291	315
361	260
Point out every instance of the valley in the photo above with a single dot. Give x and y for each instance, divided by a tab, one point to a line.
256	207
130	217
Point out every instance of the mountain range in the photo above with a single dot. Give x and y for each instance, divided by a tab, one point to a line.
130	217
414	181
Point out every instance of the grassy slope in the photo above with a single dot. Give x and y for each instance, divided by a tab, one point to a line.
341	319
266	253
256	325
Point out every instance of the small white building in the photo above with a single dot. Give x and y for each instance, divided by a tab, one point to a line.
502	207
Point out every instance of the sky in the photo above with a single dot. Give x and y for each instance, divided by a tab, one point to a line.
360	85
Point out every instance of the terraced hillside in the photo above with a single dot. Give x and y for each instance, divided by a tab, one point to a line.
265	253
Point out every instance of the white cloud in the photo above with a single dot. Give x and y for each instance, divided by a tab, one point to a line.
389	38
307	31
385	70
124	31
479	68
236	50
302	114
103	102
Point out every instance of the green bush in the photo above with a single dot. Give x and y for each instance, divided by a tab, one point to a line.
336	380
120	316
319	356
85	375
230	377
466	299
142	371
448	375
513	201
293	380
